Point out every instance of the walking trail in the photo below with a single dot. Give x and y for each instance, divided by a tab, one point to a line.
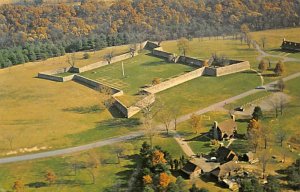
133	135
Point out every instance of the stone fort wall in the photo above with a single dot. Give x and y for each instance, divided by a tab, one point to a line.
150	92
175	81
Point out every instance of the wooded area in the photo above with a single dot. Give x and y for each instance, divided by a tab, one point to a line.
30	32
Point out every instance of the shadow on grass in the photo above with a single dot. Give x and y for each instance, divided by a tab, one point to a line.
85	110
202	137
116	113
155	63
37	184
125	175
207	178
284	51
105	129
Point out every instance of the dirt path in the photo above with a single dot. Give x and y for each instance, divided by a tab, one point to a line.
184	145
265	54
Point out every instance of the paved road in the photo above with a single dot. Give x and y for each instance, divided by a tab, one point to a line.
131	135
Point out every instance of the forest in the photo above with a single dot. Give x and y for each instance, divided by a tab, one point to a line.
30	32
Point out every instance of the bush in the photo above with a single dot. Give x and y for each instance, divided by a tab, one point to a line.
86	56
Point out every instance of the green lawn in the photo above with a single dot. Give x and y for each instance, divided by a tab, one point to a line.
109	175
139	71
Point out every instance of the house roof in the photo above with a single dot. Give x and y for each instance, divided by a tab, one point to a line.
223	151
228	127
225	168
190	167
204	165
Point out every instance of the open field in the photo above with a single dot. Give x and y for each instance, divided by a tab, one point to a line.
38	109
32	172
48	112
275	36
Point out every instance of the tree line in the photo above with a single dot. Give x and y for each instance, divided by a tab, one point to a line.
126	21
41	51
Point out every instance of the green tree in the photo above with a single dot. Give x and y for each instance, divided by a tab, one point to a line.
183	46
272	184
257	113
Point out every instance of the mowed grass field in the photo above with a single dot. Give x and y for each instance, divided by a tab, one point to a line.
139	72
109	175
41	113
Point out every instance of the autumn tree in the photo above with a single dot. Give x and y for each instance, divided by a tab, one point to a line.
158	158
164	180
253	139
18	186
253	125
264	159
279	68
195	122
50	177
266	134
156	81
147	179
183	46
263	65
245	31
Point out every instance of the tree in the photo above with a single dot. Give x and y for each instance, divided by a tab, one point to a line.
165	117
245	31
280	84
279	69
107	95
266	134
278	103
183	46
264	159
195	122
156	81
158	158
164	180
147	179
108	57
272	184
119	150
18	186
149	112
250	185
253	125
263	65
257	113
180	183
71	59
254	136
263	41
281	135
50	177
